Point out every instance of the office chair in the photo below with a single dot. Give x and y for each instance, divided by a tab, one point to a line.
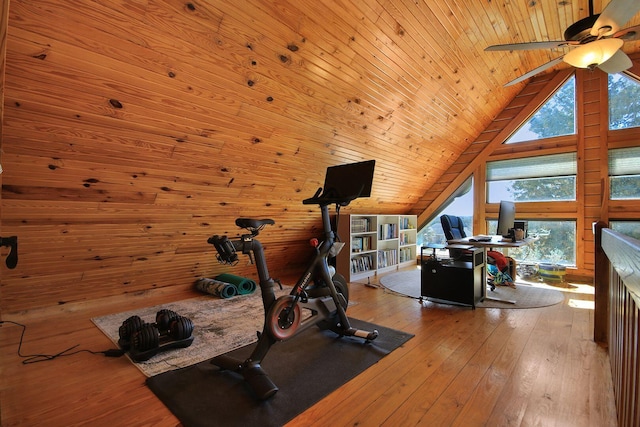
453	228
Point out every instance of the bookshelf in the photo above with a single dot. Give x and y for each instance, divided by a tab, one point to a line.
375	244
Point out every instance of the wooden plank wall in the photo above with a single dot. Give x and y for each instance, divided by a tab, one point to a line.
591	142
134	130
4	21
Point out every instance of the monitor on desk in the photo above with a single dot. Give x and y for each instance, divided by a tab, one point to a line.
506	217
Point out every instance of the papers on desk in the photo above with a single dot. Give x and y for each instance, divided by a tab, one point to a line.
481	239
492	241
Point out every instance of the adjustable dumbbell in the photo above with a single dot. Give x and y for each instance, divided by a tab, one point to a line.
129	326
134	323
151	336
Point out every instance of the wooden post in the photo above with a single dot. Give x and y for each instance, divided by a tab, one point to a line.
601	284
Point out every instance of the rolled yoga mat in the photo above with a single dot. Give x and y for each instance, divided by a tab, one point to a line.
243	285
216	287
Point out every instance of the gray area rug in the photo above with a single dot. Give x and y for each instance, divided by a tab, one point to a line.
220	325
526	296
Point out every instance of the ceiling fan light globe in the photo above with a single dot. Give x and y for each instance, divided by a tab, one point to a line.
594	53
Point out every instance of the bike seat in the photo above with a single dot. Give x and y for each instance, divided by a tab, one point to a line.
251	223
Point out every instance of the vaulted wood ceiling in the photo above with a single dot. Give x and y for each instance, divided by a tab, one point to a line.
153	122
405	82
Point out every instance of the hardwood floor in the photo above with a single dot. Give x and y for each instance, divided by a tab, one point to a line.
494	367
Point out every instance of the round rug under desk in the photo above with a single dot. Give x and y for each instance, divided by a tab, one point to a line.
526	296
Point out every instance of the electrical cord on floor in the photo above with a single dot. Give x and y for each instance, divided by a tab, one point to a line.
35	358
387	290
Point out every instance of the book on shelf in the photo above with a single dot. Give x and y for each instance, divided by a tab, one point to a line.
361	263
405	224
360	243
387	258
388	231
360	225
407	238
405	255
356	244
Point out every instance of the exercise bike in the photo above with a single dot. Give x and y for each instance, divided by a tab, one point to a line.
322	296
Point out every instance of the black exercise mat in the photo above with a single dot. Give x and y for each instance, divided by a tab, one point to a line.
305	369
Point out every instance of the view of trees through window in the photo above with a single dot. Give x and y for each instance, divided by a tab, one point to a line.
561	107
625	187
556	242
624	102
628	228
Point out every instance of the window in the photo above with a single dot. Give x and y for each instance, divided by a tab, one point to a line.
459	204
628	228
556	243
533	179
624	173
624	102
556	117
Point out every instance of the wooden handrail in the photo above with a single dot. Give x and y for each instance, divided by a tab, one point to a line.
617	317
623	253
601	282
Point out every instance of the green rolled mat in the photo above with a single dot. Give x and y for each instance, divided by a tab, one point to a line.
216	287
243	285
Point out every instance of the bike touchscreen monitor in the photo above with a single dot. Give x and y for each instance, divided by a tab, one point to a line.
353	179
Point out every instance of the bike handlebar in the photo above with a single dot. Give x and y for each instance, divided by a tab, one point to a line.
328	198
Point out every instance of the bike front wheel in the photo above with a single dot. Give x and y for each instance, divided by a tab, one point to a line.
283	318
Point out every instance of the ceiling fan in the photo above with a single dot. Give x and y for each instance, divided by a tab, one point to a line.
595	41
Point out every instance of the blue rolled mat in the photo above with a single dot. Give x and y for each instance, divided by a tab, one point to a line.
243	285
216	287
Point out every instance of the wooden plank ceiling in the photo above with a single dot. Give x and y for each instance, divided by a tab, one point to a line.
134	129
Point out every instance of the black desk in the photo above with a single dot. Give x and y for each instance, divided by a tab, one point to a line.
495	242
460	282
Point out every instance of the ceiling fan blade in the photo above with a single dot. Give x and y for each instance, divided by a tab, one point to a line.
628	34
617	63
532	45
535	71
615	15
